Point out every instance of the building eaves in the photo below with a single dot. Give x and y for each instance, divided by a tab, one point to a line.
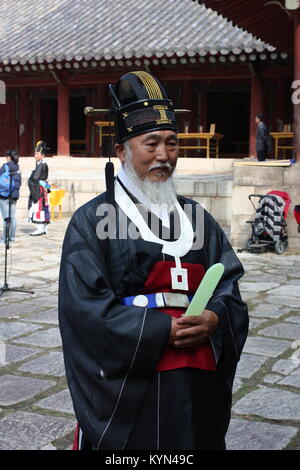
37	32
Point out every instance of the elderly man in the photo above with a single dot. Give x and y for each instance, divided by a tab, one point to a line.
142	375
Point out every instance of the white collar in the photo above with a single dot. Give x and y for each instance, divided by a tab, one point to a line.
177	248
160	210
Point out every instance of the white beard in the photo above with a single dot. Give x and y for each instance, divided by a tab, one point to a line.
159	192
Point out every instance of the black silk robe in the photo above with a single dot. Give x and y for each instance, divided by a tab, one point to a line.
111	350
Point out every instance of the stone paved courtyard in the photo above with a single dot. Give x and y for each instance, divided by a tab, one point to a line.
35	407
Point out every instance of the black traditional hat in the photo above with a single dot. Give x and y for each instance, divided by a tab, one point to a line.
41	147
12	153
140	105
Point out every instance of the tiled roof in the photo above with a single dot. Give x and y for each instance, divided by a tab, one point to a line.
37	31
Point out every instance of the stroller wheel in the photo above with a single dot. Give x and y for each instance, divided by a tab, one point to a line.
279	247
248	246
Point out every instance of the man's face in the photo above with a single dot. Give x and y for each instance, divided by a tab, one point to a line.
154	154
257	120
38	156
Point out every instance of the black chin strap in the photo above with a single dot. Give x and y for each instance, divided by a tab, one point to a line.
109	169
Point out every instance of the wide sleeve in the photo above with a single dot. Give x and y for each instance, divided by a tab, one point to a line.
95	327
226	301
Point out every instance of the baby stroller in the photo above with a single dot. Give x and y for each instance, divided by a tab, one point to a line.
297	215
269	228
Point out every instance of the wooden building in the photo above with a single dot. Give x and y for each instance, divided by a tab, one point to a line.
278	23
58	57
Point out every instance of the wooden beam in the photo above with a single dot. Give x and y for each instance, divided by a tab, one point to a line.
239	71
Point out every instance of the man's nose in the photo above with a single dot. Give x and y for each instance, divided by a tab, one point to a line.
162	153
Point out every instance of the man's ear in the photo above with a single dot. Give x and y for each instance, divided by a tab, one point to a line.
120	152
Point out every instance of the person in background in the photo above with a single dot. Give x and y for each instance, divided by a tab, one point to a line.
261	138
13	166
38	205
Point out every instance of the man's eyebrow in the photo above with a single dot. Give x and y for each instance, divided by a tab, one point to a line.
151	136
158	138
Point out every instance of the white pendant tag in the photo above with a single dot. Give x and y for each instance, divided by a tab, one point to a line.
179	276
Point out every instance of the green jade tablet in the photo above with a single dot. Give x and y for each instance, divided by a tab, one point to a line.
205	289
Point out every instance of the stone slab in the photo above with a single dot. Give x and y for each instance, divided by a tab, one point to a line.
47	338
292	380
47	316
272	378
31	431
18	308
282	330
293	319
60	401
9	330
255	322
285	366
15	389
254	276
251	435
248	365
49	364
295	282
248	296
49	274
258	286
268	311
237	384
12	353
283	300
265	346
288	290
270	403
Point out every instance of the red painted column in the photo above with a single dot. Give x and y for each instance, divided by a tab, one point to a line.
296	102
63	123
37	123
25	123
256	106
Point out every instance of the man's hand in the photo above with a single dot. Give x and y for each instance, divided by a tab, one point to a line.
189	331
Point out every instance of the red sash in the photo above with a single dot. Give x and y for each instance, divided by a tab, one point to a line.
159	280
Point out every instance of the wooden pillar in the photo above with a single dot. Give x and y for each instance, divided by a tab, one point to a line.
25	123
256	106
296	103
63	124
203	112
37	123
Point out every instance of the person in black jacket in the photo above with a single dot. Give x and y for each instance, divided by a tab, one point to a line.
38	186
12	162
261	138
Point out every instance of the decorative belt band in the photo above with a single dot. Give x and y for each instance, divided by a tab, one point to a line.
158	300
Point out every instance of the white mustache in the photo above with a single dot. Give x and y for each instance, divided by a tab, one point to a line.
160	165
